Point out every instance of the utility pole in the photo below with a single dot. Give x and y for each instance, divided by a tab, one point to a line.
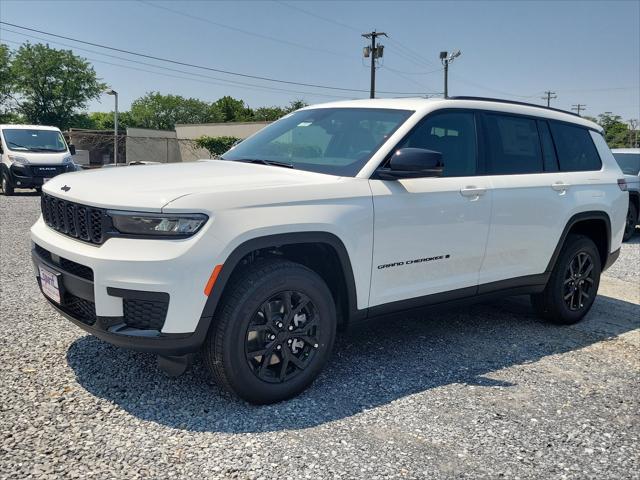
548	95
446	59
374	51
578	107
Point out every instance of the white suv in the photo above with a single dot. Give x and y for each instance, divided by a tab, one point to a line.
332	215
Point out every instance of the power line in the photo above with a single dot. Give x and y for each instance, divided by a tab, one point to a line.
218	82
326	19
245	32
201	67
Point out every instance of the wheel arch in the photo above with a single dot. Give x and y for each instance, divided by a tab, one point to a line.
294	245
593	224
634	197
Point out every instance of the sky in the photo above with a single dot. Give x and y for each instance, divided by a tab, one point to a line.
587	52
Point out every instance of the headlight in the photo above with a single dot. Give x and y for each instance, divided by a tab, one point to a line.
157	225
19	159
67	160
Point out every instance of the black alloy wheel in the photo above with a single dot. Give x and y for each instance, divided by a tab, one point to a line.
578	281
282	337
273	332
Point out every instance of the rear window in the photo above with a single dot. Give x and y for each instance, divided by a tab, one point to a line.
629	162
575	148
513	145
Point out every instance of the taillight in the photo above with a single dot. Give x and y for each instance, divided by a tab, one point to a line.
622	183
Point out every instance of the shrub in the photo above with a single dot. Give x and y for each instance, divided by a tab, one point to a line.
216	145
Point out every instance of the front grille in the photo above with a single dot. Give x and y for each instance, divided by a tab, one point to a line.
47	171
78	221
70	266
79	308
145	314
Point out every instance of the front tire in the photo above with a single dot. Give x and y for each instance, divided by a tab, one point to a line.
7	187
273	332
573	284
631	222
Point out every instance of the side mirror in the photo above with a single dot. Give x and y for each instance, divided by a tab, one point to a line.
413	163
72	149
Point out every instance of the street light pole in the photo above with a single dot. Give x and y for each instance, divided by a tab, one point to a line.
115	126
446	59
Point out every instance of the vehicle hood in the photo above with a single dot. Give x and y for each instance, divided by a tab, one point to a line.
150	187
41	158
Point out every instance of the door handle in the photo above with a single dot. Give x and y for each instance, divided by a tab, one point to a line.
560	186
472	191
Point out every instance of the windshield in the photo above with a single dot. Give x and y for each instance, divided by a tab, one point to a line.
629	162
337	141
23	140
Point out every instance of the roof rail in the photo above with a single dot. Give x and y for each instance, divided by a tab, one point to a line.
513	102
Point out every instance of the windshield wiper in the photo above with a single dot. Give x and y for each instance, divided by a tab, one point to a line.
17	145
39	149
265	162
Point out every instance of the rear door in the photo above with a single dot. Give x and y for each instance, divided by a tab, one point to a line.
430	233
532	198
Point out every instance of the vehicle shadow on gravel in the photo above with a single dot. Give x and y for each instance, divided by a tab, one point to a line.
371	366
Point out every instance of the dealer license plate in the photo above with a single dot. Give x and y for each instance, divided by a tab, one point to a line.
50	283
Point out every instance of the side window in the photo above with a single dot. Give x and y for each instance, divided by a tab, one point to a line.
548	150
576	151
451	133
513	145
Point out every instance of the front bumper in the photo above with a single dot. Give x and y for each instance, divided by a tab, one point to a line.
146	295
33	176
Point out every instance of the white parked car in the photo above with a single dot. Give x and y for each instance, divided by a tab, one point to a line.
31	155
334	214
629	161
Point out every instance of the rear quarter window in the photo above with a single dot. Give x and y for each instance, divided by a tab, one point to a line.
575	148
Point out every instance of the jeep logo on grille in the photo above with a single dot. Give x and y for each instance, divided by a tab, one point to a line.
66	188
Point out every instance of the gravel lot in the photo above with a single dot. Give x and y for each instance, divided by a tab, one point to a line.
486	391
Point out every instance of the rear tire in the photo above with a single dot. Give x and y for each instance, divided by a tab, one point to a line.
273	332
631	222
573	284
7	187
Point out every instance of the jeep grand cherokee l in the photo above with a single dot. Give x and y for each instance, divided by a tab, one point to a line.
332	215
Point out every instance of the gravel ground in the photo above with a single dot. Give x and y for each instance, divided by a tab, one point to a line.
487	391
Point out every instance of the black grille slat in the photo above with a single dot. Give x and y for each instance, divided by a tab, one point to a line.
78	221
83	223
71	220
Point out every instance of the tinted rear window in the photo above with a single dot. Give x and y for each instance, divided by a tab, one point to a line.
629	162
575	148
513	145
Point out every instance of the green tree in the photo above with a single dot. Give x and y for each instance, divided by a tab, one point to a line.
232	110
268	114
616	132
296	105
52	85
6	82
163	112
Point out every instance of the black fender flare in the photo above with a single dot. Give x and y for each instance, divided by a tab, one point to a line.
577	218
278	240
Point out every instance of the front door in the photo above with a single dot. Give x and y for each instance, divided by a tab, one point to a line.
430	234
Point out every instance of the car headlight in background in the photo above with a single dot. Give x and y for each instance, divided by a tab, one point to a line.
19	159
157	225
